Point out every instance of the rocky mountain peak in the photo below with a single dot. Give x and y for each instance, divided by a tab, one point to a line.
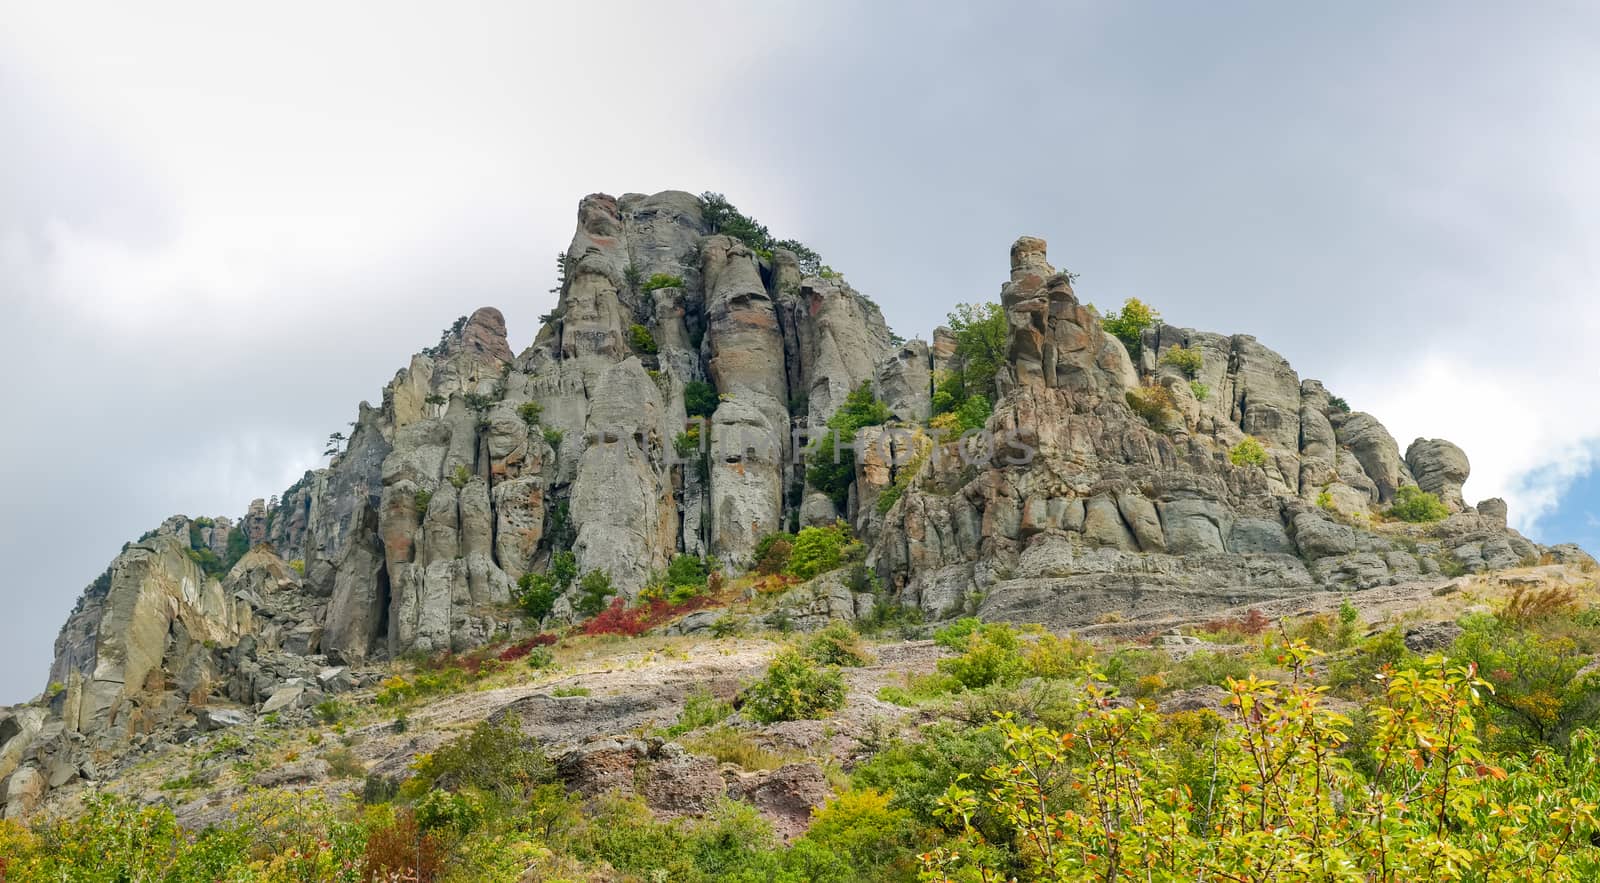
661	410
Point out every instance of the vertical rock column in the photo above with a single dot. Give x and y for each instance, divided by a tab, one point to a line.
750	429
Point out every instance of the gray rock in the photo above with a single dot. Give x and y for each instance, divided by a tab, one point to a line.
1493	509
221	718
303	772
1139	512
905	382
1432	637
1375	449
1259	536
1440	468
1103	524
1194	526
285	697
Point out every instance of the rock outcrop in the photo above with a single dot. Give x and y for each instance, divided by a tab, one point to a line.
1077	510
658	412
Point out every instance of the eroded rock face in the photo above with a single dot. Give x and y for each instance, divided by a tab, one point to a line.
1440	468
1112	517
479	463
114	655
905	382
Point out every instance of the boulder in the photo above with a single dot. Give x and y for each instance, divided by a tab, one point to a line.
1440	468
221	718
303	772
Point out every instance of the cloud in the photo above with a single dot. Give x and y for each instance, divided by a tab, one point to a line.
221	229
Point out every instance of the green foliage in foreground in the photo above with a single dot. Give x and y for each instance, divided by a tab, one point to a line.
1108	796
1036	757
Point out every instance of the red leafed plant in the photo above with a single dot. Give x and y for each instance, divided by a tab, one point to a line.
620	619
523	648
1254	622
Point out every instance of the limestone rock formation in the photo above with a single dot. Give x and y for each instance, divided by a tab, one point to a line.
479	463
1077	509
1439	468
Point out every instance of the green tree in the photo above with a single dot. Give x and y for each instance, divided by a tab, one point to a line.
699	398
1129	323
829	467
594	592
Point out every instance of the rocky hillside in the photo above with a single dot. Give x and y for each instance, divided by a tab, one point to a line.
663	409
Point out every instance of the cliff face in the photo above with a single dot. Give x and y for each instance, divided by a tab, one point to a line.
1110	518
480	463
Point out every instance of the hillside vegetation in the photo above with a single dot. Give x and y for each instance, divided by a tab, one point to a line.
1248	747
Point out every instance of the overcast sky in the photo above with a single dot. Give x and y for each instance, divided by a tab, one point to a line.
219	231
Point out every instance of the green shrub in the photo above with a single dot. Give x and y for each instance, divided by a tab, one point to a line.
1543	688
772	553
859	836
1185	359
1325	500
329	711
689	571
1338	404
982	339
1128	324
1355	672
421	499
795	688
594	593
701	708
461	476
1207	668
918	772
991	655
492	758
552	437
837	644
454	813
1199	390
1248	452
721	216
537	594
238	545
662	280
641	340
699	398
974	412
298	565
817	550
954	636
687	443
530	412
1153	405
1417	505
